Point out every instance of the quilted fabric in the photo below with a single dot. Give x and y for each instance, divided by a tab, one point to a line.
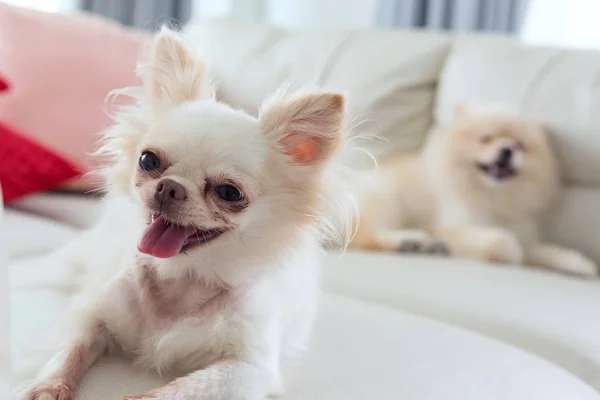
27	167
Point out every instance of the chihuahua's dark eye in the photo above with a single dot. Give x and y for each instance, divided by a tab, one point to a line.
149	161
229	193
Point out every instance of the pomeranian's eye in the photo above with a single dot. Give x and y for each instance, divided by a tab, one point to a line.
229	193
486	139
149	161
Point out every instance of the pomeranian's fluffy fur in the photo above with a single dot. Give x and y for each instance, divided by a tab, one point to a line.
478	190
228	212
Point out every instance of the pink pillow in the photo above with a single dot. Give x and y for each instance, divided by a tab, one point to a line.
60	69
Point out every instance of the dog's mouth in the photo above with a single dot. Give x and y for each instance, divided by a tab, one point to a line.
498	170
164	239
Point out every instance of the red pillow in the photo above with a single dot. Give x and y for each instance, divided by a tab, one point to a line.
28	167
60	68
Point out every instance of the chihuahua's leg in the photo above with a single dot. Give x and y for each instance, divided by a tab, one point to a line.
226	380
59	377
482	243
252	374
561	259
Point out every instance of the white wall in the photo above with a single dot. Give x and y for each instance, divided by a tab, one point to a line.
45	5
322	13
566	23
293	13
211	8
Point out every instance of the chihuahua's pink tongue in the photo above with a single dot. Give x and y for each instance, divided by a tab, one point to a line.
163	240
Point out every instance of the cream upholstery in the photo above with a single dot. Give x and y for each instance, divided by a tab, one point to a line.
395	327
402	82
389	77
5	361
390	327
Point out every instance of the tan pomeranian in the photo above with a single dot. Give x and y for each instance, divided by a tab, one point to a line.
478	190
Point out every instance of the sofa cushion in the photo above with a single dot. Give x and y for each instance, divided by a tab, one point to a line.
360	351
29	235
5	356
38	224
390	77
527	317
77	211
576	221
542	313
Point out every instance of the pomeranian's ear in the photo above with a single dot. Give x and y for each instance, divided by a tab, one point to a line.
461	111
307	126
173	75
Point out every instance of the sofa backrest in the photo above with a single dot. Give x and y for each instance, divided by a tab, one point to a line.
390	78
402	82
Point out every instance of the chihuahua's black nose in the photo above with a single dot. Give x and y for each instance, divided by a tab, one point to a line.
505	156
168	190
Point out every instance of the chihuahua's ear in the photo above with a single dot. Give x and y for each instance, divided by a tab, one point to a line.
173	75
307	127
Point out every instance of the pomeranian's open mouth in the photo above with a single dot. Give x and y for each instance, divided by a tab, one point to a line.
497	170
164	239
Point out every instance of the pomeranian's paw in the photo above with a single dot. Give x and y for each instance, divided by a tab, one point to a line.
573	262
438	247
424	246
55	389
410	246
502	247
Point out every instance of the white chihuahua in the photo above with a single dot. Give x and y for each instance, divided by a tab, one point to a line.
228	212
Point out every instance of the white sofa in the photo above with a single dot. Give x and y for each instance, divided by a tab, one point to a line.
395	327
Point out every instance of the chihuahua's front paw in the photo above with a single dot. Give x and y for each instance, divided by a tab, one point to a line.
167	392
55	389
147	396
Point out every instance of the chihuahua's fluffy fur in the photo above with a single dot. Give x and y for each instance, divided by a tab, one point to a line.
242	291
478	190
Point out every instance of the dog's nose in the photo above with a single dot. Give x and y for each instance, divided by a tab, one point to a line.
505	155
168	190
